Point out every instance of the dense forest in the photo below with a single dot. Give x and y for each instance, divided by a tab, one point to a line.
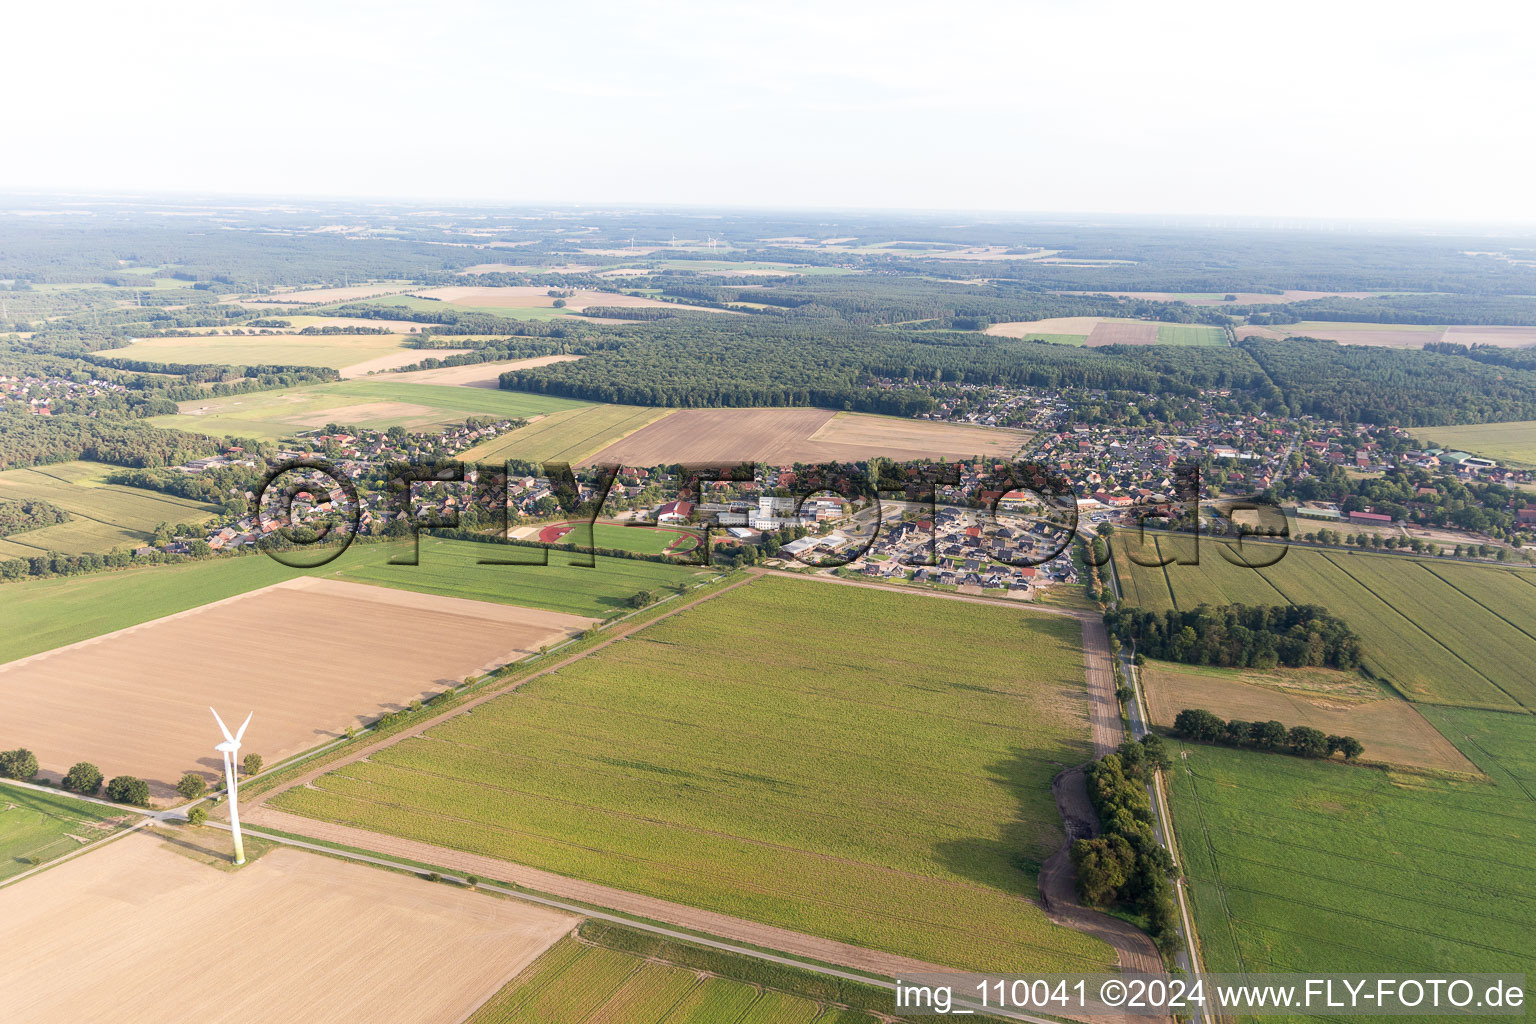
1405	387
37	440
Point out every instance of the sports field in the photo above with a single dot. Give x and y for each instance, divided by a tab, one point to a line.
376	403
37	827
692	763
309	657
784	436
1338	703
566	434
1302	865
106	516
1512	443
39	615
155	934
1438	631
643	540
623	976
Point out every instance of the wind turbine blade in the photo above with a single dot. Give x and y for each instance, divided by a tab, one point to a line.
243	724
222	727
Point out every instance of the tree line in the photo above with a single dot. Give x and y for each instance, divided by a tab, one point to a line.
1126	865
1302	740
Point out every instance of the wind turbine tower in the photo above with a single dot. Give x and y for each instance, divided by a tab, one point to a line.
230	748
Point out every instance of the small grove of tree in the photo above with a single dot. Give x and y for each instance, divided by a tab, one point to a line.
252	764
1301	740
1241	636
1126	865
192	785
83	778
20	763
129	789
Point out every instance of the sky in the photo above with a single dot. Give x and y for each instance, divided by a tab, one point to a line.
1390	111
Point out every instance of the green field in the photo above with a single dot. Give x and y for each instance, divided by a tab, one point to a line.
1190	334
333	350
374	403
1512	443
566	435
37	827
846	762
1439	631
1307	866
39	615
106	516
617	975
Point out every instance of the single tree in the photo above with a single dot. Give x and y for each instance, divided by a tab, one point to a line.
83	778
192	785
197	815
252	764
20	763
129	789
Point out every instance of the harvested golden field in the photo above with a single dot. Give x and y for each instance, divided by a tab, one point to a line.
1080	325
472	375
1121	332
151	934
305	298
1400	335
536	297
784	436
309	656
1339	703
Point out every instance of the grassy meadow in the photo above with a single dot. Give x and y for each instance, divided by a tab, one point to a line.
376	403
106	516
1311	866
39	615
1511	443
37	827
1439	631
696	762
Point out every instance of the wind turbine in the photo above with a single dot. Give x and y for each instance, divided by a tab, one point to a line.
229	748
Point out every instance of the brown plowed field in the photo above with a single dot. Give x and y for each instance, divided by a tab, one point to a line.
309	656
786	436
1120	332
138	933
1339	703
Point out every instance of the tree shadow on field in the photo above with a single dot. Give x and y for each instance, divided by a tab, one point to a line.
1010	860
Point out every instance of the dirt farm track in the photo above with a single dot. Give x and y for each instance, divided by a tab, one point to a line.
153	935
309	656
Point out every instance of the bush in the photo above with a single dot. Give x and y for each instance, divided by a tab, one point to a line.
471	880
129	789
192	785
84	778
197	815
20	763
